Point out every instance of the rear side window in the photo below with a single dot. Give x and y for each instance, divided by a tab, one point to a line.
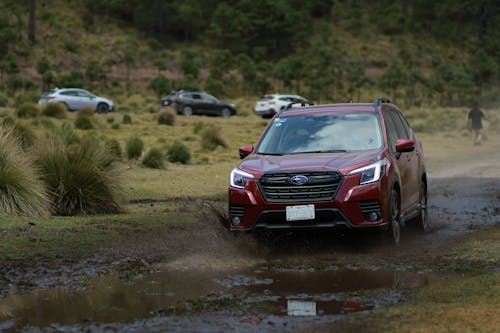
396	127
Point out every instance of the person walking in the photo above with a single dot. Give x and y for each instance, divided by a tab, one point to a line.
474	123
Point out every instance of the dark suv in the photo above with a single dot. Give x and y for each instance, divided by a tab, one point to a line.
193	101
325	166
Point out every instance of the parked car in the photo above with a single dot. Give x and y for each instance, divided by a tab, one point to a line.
270	104
352	166
192	101
76	99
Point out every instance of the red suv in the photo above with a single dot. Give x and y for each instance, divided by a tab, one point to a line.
325	166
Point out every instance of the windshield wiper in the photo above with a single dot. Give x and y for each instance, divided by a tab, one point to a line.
272	154
321	151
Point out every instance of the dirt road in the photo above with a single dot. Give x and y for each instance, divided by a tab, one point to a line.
208	280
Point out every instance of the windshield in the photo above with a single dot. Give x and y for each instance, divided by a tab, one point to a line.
318	133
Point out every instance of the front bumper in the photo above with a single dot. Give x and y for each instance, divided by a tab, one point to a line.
354	206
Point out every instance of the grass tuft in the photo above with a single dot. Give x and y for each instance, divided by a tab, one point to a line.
154	159
179	152
27	110
211	138
166	117
21	190
57	111
135	146
79	176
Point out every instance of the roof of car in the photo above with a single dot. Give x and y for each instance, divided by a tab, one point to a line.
338	107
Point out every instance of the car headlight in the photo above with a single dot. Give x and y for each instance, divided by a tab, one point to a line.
370	173
238	177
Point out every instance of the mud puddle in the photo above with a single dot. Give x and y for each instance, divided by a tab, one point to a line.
243	296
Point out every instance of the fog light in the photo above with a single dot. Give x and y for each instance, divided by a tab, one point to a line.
373	216
235	220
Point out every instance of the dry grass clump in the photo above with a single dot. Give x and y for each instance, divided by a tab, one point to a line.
135	146
211	138
57	111
154	159
80	176
22	192
27	110
166	117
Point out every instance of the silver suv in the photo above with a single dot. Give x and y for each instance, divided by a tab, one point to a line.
270	104
76	99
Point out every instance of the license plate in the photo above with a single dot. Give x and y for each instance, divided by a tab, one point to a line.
301	212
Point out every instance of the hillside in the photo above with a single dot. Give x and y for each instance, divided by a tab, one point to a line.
418	53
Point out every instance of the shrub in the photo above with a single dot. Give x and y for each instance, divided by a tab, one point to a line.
27	110
166	117
135	146
54	110
83	122
7	121
3	101
110	120
115	126
211	138
114	148
198	126
86	111
154	159
127	119
24	135
179	152
80	177
21	190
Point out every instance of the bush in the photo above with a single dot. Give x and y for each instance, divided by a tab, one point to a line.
8	121
114	148
4	101
21	191
80	177
135	146
127	119
166	117
179	152
211	138
27	110
24	135
54	110
154	159
86	111
83	122
115	126
198	126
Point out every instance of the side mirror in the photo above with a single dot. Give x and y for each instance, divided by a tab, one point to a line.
245	151
405	146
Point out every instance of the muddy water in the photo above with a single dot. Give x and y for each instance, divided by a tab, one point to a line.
275	292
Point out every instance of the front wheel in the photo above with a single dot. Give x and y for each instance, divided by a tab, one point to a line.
102	108
394	217
187	111
226	113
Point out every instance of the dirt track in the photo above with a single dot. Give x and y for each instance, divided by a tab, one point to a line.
464	197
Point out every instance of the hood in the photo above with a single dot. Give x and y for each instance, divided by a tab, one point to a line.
344	162
103	99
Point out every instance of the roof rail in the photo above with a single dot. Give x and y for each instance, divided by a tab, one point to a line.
380	100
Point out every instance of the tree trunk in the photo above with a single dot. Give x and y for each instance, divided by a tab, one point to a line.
31	30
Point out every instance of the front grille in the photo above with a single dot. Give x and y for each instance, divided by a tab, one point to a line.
321	186
369	207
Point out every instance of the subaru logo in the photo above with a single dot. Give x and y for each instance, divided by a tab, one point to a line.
299	180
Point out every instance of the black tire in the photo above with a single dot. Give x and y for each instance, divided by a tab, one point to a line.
226	113
187	111
423	218
394	217
102	108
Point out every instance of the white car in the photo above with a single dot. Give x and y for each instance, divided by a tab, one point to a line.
270	104
76	99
